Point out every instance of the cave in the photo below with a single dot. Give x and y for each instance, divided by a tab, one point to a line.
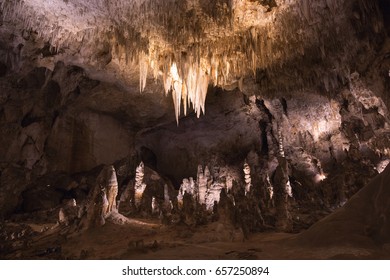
192	129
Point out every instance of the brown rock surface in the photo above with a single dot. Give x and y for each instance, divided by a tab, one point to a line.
193	125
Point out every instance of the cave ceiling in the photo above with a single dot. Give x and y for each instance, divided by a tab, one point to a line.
186	46
224	119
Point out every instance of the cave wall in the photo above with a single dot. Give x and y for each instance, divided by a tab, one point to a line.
322	103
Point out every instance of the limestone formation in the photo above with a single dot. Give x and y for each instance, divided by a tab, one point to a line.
188	186
202	185
193	119
139	186
248	180
270	190
68	213
155	206
99	205
281	193
213	195
96	208
126	201
112	190
167	205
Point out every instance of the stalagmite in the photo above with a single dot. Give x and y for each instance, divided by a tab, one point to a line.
229	183
270	191
202	186
68	213
207	176
155	206
111	189
281	194
167	201
101	199
139	186
248	180
96	208
287	186
213	195
280	142
188	186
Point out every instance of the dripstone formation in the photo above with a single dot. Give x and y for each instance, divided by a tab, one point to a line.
173	123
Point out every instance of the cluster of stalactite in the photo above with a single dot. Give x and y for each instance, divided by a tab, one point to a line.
190	44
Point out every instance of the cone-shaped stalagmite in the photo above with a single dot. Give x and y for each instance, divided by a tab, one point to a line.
111	189
102	198
281	195
139	186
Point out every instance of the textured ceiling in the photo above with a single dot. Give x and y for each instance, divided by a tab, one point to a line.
194	43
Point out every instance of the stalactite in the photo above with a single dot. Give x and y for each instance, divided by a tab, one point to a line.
143	70
188	59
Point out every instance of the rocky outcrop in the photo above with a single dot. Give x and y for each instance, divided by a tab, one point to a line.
296	95
139	186
101	201
13	182
282	191
361	221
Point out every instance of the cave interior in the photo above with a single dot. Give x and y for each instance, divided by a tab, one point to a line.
194	129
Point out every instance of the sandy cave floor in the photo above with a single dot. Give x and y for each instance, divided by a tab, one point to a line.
123	238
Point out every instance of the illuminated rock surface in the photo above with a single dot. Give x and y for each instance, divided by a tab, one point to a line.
185	122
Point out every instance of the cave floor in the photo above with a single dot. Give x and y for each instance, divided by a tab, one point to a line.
122	238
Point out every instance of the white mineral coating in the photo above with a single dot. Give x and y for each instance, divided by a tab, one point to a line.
112	189
202	185
155	207
280	142
229	183
247	177
188	186
62	219
270	188
167	201
366	97
166	194
220	49
382	165
207	175
213	195
289	189
139	186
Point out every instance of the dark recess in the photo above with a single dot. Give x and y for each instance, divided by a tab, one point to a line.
148	157
284	104
28	119
52	94
3	69
384	6
264	141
